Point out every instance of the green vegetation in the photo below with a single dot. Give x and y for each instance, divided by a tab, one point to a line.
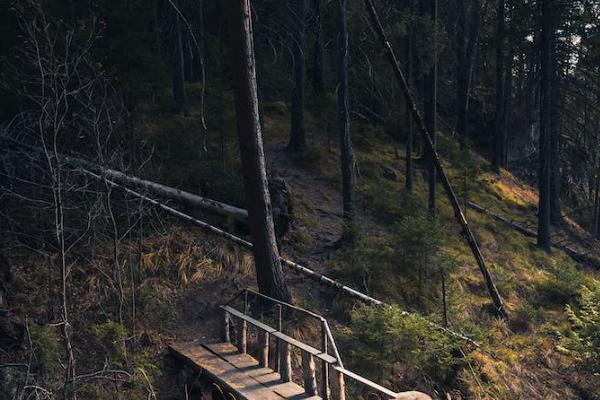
389	343
583	338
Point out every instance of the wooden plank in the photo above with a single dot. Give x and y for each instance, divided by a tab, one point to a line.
266	376
222	372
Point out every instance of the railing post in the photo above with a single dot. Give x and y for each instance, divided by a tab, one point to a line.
325	365
242	337
263	348
338	386
226	327
309	374
278	341
285	362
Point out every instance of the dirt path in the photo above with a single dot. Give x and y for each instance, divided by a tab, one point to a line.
318	195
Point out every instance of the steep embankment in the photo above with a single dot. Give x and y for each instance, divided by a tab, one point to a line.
518	358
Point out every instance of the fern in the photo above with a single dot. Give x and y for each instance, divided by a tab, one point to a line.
583	339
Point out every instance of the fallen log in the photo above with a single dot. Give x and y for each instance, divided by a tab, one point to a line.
319	278
203	203
580	257
280	192
238	214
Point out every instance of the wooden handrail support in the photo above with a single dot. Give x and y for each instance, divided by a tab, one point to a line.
324	325
309	354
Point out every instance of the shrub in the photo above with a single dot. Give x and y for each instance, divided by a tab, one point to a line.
386	339
112	335
583	338
46	346
562	285
365	259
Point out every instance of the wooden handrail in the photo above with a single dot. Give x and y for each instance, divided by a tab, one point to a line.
321	319
328	360
280	335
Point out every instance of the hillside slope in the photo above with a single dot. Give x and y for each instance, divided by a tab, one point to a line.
518	358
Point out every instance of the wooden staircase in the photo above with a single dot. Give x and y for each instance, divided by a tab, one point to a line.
237	374
270	376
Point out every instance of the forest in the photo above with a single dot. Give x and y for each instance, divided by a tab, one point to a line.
197	192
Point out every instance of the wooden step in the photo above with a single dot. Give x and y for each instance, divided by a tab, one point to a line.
237	373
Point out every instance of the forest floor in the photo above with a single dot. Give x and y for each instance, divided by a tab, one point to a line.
518	359
184	274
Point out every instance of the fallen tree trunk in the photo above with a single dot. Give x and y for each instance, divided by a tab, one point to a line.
319	278
576	255
430	148
281	198
216	207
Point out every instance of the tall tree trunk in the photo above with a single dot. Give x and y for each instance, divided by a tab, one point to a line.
545	126
409	121
431	110
258	20
499	131
177	64
555	165
466	54
596	225
319	73
297	133
508	83
343	106
269	274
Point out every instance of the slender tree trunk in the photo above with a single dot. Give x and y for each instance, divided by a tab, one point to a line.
507	107
258	17
177	64
343	106
444	300
297	133
498	139
188	55
409	121
545	128
269	274
555	165
466	54
431	110
596	217
319	73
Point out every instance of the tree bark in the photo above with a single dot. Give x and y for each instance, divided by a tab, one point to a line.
555	105
343	106
466	55
269	274
319	72
545	127
431	110
499	131
596	225
508	84
177	63
297	132
409	122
